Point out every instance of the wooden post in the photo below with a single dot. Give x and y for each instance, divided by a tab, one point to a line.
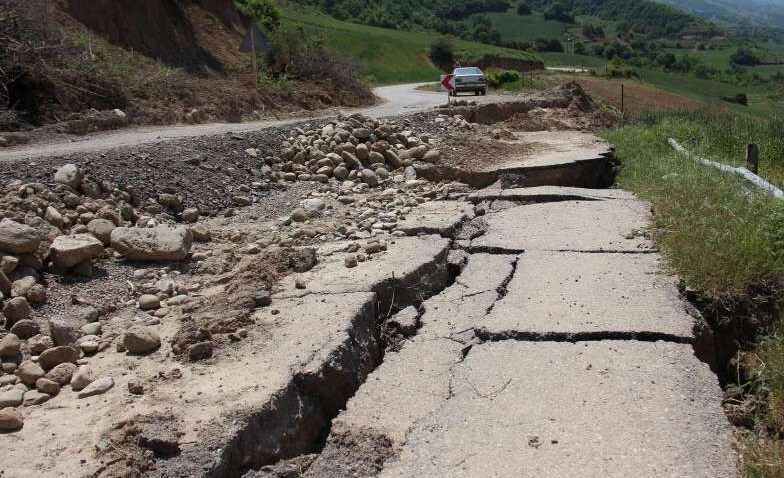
752	158
623	109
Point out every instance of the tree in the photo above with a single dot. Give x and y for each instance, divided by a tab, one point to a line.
442	53
744	56
523	9
559	13
265	12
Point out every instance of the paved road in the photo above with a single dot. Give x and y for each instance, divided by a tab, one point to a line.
394	100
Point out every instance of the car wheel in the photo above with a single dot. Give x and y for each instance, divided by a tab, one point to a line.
484	92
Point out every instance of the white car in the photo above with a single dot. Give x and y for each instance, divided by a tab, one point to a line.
469	79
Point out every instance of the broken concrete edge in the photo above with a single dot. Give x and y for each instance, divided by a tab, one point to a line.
298	417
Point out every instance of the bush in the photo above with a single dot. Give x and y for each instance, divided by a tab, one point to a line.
619	69
551	44
744	56
523	9
265	12
499	78
740	99
559	13
442	53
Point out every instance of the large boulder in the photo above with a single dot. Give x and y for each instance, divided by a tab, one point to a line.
68	251
18	238
162	243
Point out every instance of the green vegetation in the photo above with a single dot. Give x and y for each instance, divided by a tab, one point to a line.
389	56
718	235
265	12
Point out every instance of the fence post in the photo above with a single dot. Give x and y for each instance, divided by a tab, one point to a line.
752	158
623	109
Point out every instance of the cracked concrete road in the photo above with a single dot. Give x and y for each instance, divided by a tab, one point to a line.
562	349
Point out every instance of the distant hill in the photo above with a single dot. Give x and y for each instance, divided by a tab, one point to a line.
735	12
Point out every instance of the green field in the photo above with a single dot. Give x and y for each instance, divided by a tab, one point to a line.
568	59
388	56
712	91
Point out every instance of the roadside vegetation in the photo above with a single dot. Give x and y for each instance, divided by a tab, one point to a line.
725	239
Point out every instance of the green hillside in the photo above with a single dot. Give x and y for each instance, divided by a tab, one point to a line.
390	56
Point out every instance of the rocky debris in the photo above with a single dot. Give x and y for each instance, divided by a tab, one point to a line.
34	397
10	420
405	322
102	229
200	351
50	358
69	175
9	345
98	387
62	333
83	377
68	251
149	302
141	340
11	398
303	260
25	329
162	243
47	386
18	238
62	374
29	372
135	387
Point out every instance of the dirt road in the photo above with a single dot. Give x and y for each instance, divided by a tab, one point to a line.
393	100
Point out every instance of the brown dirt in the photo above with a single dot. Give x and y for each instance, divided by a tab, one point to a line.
160	62
638	97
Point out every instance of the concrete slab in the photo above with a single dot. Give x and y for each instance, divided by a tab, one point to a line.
560	410
547	149
609	226
409	271
570	296
549	194
436	217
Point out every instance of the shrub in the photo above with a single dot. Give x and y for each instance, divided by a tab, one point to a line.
265	12
619	69
523	9
499	78
740	99
442	53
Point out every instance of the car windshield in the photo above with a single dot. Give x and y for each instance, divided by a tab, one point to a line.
468	71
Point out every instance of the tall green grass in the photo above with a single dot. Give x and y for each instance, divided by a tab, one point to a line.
718	233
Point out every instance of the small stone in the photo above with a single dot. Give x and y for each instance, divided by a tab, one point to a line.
89	344
69	175
98	387
11	398
135	386
9	345
368	177
83	377
299	215
39	343
262	298
16	309
350	261
18	238
141	340
62	374
149	302
201	233
37	294
405	321
29	372
102	230
10	420
93	328
24	329
68	251
34	397
200	351
62	333
303	260
50	358
47	386
432	156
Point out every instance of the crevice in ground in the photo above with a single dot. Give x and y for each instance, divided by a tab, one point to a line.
524	336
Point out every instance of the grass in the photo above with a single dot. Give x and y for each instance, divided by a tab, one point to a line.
568	59
716	233
389	56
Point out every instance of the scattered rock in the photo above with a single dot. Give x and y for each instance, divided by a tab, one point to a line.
55	356
11	398
62	374
69	175
102	230
200	351
135	386
350	261
303	260
160	243
62	333
29	372
24	329
9	345
47	386
406	321
68	251
83	377
15	310
149	302
10	420
34	397
98	387
18	238
141	340
299	215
